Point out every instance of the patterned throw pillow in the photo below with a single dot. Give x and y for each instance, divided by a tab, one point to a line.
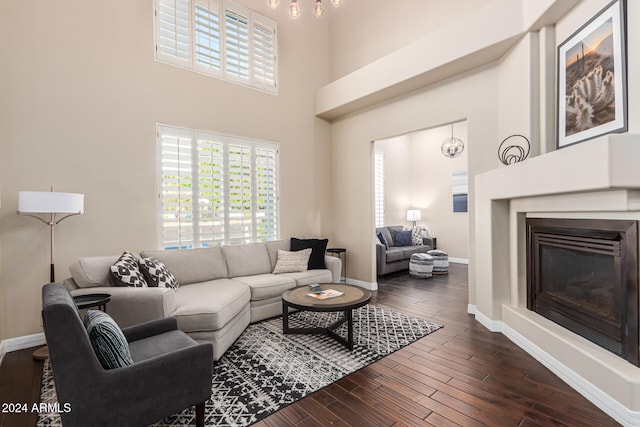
292	262
157	274
126	272
416	235
107	340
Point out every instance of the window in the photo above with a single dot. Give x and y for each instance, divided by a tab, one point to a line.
218	38
215	189
378	191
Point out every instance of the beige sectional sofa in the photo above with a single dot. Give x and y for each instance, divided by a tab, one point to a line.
222	289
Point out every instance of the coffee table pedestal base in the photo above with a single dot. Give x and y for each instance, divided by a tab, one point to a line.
329	330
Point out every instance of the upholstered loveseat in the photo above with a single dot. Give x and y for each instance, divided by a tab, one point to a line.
221	289
395	255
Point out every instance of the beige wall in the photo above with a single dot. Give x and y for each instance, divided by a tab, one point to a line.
352	151
418	176
81	94
382	29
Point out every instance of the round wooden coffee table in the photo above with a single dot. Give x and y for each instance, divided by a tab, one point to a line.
298	298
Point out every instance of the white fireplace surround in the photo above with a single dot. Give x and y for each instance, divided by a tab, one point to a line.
594	179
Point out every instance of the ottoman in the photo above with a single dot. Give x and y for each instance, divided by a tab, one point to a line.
420	266
440	261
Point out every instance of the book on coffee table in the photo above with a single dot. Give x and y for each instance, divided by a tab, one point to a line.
329	293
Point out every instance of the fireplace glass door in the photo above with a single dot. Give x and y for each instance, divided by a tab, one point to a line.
582	274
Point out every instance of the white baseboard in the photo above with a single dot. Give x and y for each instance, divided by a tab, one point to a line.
471	309
492	325
372	286
602	400
20	343
459	260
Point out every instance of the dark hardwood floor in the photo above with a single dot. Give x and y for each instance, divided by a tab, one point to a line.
461	374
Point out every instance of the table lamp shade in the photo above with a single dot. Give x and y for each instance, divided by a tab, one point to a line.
413	215
50	202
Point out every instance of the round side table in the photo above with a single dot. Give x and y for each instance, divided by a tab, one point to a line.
342	254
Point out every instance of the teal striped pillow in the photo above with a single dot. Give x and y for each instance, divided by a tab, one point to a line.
107	339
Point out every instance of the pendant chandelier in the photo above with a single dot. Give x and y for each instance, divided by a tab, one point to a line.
452	147
294	7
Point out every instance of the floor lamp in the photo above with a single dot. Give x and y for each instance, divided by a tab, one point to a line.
50	204
45	206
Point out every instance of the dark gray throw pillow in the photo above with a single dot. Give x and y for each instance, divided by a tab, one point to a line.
107	340
403	238
318	249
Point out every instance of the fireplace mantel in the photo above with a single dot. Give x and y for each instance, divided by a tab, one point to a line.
598	178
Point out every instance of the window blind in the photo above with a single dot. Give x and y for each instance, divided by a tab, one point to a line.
378	167
207	45
215	189
173	31
219	38
176	196
236	43
263	67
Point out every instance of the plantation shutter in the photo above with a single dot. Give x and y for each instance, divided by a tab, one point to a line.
176	191
239	184
266	194
236	37
263	64
211	191
379	189
215	189
173	31
207	43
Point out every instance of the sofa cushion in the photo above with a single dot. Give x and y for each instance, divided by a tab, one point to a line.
94	271
247	259
192	265
265	286
126	271
272	248
208	306
107	340
157	274
410	250
318	249
292	262
310	276
396	254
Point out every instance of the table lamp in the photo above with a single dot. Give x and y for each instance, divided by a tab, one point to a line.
413	215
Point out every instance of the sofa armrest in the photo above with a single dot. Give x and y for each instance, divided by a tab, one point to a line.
428	241
131	306
149	329
381	253
334	265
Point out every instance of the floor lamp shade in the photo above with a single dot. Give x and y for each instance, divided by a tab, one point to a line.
51	204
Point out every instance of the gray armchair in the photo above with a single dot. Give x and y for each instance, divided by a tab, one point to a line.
170	371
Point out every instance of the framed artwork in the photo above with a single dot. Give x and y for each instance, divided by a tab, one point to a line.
460	190
592	78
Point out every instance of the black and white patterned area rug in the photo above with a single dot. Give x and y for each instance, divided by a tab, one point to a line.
265	370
